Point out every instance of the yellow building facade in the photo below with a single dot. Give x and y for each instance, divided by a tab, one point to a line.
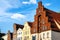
26	32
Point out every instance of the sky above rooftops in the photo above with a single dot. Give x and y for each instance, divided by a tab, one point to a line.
20	11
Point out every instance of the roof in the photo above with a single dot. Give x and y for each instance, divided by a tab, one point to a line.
53	16
18	26
2	34
30	24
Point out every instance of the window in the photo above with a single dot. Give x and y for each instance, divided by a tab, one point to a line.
33	37
26	38
14	39
43	35
48	35
34	30
20	38
40	37
26	32
44	27
20	33
43	22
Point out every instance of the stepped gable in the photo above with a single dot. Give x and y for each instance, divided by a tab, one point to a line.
46	16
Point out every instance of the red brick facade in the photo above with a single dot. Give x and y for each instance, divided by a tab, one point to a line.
41	20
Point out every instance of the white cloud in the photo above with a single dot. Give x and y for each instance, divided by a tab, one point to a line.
25	2
33	1
47	4
18	16
30	2
4	5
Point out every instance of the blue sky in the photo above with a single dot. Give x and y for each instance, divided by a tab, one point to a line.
20	11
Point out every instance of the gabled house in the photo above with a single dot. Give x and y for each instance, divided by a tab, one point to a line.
46	26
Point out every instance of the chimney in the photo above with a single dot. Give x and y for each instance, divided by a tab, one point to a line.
9	36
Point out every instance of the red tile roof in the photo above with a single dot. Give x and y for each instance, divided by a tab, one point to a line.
30	24
19	26
54	16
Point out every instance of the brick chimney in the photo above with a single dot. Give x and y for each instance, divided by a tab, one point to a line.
15	31
9	36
